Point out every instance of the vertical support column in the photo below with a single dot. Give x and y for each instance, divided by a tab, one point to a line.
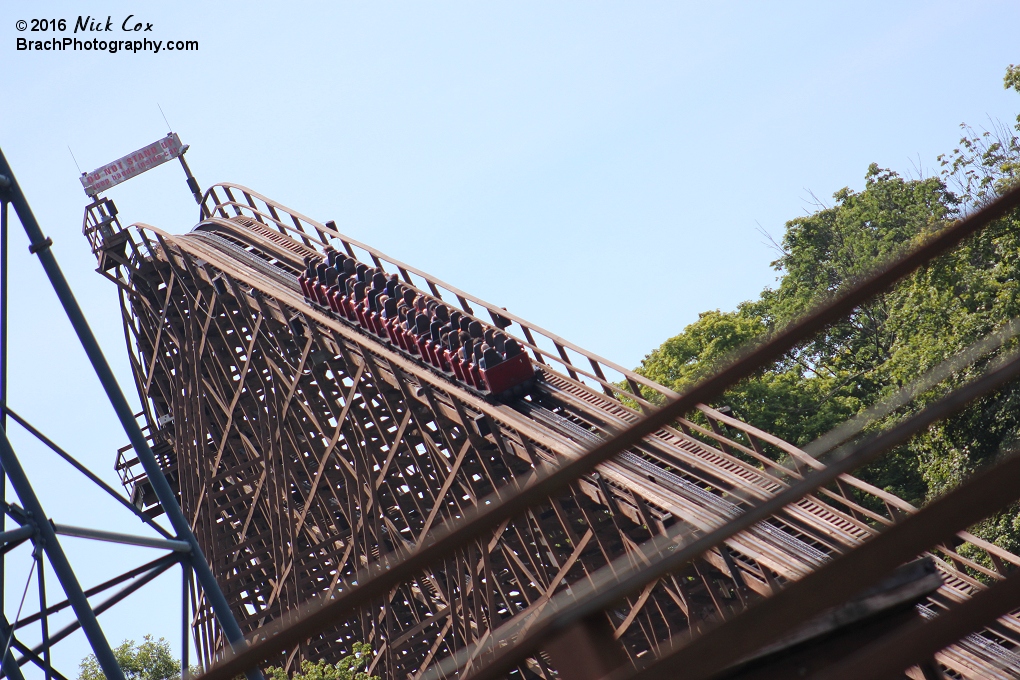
10	666
185	616
3	338
3	376
45	620
40	245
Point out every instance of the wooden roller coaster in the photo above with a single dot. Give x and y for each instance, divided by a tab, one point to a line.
317	460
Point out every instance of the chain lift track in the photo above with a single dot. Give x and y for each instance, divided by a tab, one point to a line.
304	448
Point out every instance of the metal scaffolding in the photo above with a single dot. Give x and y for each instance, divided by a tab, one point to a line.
35	524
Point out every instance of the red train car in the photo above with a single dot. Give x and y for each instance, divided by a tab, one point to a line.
511	377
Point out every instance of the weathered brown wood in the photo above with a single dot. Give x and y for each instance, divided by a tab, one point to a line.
304	456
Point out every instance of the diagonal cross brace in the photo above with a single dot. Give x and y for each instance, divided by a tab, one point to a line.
40	245
58	560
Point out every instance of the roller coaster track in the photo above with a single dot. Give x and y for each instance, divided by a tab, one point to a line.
305	448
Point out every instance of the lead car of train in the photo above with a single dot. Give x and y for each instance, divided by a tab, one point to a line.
477	355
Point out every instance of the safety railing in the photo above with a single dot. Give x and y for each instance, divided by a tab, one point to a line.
961	508
550	350
858	498
232	200
133	477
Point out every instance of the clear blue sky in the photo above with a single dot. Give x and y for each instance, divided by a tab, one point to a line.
598	168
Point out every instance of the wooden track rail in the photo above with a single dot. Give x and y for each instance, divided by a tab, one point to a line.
305	449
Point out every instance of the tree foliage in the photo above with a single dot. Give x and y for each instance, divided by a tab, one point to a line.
348	668
151	660
154	660
888	342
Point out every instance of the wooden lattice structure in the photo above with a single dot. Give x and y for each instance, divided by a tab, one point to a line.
304	449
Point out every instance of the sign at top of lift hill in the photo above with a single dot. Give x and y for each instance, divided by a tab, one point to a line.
133	164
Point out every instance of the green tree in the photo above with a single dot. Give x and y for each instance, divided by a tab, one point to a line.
349	667
151	660
897	336
985	163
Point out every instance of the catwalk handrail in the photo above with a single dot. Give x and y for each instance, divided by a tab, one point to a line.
545	482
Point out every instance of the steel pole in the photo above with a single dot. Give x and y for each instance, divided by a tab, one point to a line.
196	191
40	245
3	328
58	560
45	619
185	621
3	375
10	665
